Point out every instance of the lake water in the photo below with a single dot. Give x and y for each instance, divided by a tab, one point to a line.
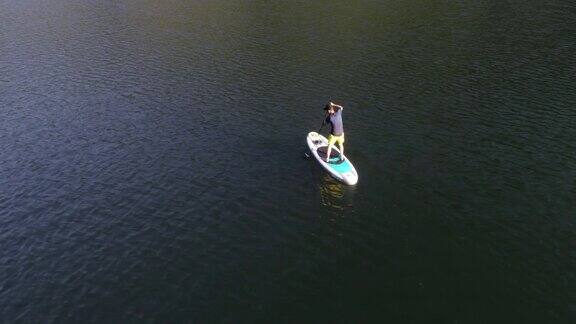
152	161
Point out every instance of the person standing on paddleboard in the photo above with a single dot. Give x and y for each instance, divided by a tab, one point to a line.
334	118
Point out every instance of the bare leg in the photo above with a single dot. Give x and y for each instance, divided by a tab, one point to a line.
328	152
341	150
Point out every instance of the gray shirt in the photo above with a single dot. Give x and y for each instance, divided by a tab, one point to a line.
335	120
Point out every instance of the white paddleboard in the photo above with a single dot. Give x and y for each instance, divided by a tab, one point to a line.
341	170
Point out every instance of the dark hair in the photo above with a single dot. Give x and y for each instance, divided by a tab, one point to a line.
327	107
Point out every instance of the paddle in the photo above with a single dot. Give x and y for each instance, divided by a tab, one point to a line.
323	123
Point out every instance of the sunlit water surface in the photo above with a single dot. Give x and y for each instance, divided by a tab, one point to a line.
152	161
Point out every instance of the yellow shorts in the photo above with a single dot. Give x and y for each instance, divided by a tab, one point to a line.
333	139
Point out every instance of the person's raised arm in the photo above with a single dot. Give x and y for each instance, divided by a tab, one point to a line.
337	106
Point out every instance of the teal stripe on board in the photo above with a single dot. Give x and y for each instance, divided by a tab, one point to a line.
342	167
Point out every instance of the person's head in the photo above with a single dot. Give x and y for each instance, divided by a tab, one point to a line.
329	108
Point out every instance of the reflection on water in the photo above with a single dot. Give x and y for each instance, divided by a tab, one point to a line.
335	194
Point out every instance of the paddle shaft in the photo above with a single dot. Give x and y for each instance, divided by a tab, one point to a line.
323	123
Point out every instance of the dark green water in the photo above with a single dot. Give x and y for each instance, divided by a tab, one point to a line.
152	161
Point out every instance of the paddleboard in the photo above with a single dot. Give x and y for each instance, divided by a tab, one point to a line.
341	170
